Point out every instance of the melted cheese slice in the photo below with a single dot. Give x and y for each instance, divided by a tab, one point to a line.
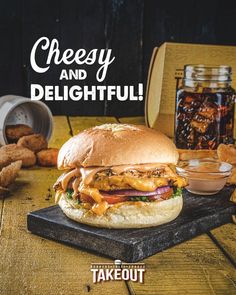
125	182
93	193
101	208
85	183
67	177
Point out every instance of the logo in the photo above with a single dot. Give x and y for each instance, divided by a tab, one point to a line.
118	271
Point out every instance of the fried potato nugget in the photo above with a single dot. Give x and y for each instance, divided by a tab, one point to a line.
9	173
185	155
7	176
14	132
227	153
4	160
47	157
11	152
34	142
232	178
233	196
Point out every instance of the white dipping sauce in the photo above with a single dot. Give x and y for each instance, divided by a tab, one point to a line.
205	176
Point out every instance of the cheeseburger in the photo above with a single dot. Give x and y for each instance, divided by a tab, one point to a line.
119	176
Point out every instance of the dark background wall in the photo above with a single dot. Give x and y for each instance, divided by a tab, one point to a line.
130	27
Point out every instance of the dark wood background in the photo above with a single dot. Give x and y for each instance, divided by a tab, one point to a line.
130	27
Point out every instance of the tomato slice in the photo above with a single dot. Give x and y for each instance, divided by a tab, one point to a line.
86	199
164	196
113	199
110	199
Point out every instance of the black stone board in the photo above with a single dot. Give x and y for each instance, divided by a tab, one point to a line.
199	215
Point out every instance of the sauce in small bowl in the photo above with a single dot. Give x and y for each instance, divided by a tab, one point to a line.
205	176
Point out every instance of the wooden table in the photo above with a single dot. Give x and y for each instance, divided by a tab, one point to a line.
33	265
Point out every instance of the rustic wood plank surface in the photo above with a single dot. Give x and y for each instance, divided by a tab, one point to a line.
32	265
132	120
61	131
80	123
91	25
194	267
225	237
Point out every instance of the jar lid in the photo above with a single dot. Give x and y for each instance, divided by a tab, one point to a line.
207	72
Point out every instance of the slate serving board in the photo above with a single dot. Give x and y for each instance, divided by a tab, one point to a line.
199	215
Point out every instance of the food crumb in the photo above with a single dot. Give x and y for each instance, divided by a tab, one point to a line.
88	288
49	195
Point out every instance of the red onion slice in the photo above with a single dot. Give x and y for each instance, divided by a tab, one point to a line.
136	193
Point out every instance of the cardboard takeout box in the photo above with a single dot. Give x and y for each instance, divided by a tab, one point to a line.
165	71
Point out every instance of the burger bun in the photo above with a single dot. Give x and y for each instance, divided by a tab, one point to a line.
117	144
126	215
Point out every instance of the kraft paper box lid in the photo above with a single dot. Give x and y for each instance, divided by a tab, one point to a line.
166	67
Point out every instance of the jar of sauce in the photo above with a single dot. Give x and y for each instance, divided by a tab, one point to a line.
204	115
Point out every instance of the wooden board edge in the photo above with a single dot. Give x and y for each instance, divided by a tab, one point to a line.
75	240
129	252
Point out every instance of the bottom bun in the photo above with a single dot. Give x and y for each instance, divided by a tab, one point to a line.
126	215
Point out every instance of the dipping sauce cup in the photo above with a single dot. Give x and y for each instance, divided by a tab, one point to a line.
205	176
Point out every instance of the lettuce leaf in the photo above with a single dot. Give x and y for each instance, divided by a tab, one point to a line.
69	193
177	192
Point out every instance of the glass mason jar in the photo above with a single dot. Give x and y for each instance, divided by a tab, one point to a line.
204	115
